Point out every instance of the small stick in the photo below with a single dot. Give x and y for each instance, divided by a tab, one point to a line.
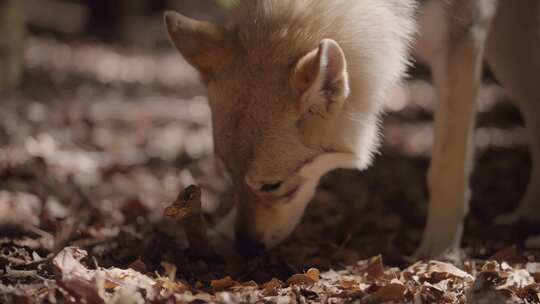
187	210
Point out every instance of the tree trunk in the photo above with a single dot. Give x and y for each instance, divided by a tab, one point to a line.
11	43
131	14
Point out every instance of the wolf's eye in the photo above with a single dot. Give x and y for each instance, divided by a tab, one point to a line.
271	187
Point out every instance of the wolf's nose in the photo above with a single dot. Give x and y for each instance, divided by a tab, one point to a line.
249	247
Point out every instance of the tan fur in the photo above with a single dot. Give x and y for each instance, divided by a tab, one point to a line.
513	53
296	89
203	44
455	55
263	132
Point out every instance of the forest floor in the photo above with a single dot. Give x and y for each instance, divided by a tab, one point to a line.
100	139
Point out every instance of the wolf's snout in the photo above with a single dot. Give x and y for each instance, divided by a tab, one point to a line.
249	247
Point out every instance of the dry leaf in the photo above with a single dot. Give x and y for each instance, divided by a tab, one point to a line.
68	262
518	279
534	269
127	295
138	265
83	290
223	284
375	268
271	287
301	279
170	287
446	268
314	274
391	292
348	284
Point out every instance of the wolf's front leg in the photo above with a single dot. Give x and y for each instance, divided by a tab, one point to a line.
513	54
456	71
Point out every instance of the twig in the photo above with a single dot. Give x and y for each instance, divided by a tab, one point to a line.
13	273
187	210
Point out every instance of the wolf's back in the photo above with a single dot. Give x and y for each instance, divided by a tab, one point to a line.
292	27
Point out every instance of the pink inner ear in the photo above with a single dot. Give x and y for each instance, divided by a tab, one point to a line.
332	67
331	62
323	67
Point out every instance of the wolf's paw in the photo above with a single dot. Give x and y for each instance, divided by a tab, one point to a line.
437	243
433	250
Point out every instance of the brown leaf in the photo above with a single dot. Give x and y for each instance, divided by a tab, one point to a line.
314	274
375	268
68	262
439	271
352	295
171	287
84	290
138	265
271	287
223	284
348	284
301	279
391	292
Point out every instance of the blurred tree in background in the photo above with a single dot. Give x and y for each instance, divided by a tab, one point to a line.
130	21
11	43
133	22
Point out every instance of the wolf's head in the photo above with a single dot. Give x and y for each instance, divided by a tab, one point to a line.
294	92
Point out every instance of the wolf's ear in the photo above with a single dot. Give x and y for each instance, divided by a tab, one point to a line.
204	45
322	79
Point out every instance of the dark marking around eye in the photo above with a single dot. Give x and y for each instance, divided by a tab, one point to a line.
271	187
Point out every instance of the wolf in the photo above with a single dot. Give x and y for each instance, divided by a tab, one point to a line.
296	89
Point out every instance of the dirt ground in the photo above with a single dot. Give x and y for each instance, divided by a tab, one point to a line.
99	139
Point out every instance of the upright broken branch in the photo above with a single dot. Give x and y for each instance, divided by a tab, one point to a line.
187	210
